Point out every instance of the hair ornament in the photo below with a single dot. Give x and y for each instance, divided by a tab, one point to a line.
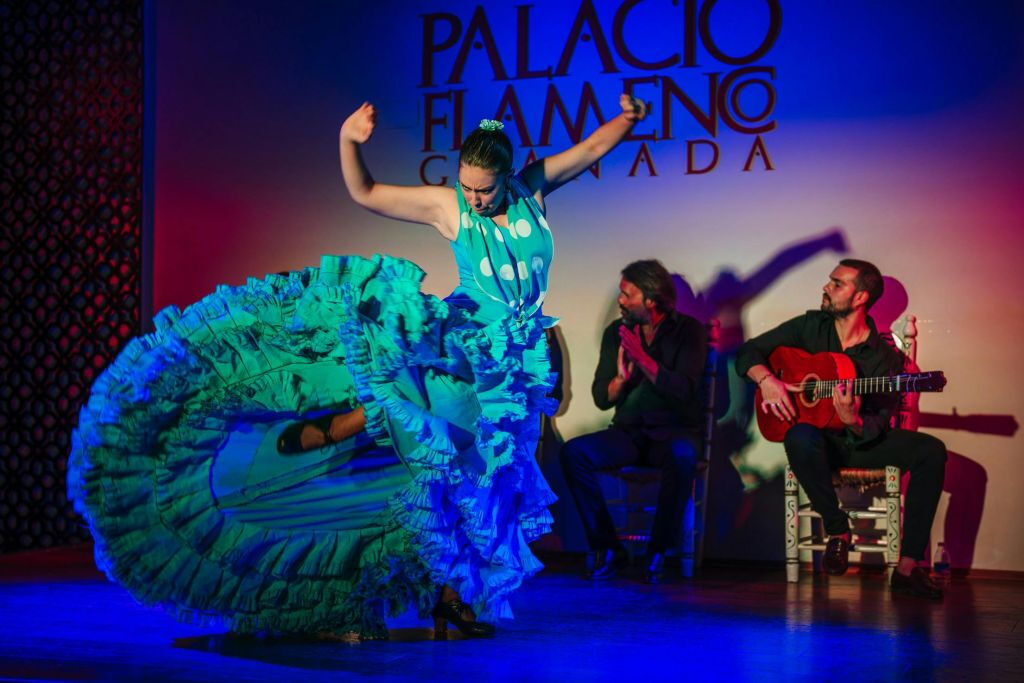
491	124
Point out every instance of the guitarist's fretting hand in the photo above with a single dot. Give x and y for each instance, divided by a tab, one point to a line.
775	398
847	405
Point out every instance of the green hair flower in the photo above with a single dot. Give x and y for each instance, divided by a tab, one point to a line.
491	124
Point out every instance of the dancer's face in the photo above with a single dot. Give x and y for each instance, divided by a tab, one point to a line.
483	189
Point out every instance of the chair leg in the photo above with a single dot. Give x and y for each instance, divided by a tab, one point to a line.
686	561
700	508
792	538
892	517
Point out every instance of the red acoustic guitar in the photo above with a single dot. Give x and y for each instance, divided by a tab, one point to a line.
817	375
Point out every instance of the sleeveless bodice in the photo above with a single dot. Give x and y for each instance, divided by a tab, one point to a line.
503	272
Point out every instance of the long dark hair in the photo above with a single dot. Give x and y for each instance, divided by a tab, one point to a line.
654	281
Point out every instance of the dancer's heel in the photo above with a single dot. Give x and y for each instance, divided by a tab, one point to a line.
453	611
332	428
440	628
290	441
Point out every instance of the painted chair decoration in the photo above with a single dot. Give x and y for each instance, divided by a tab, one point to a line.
862	480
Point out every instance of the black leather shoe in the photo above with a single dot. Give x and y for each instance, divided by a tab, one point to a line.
918	585
290	441
456	612
837	555
608	563
654	568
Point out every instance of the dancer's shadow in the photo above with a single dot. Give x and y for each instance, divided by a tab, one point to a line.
326	653
965	479
743	496
567	530
966	482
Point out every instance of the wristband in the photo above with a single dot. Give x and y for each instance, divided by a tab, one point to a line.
763	379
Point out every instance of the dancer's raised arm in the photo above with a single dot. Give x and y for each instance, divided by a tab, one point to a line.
548	174
430	205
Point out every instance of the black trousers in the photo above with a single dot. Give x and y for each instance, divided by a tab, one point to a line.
813	454
613	448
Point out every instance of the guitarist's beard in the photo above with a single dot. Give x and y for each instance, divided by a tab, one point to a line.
835	310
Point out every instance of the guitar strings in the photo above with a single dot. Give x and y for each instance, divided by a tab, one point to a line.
863	385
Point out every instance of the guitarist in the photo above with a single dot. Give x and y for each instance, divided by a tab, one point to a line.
843	326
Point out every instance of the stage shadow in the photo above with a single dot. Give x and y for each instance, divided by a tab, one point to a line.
742	497
333	652
966	483
744	508
996	425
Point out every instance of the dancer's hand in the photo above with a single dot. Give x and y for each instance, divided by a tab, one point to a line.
359	126
635	109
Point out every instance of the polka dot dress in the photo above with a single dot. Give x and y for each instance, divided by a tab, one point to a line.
505	265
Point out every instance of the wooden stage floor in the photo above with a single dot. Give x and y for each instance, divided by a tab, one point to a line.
62	620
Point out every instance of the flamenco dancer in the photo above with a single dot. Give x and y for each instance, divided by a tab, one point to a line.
312	453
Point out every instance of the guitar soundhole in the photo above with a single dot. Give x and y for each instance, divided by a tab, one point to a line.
808	395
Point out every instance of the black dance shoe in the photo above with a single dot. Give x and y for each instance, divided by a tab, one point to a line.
654	568
456	611
917	585
837	555
290	441
608	563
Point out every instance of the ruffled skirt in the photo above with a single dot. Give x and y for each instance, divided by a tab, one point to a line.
174	462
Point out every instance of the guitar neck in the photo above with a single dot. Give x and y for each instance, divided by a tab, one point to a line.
870	385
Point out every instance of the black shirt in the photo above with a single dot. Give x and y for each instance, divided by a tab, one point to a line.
672	403
815	331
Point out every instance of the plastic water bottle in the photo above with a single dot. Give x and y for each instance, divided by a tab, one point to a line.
940	566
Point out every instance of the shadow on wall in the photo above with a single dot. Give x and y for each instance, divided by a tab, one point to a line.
965	479
744	519
567	530
744	497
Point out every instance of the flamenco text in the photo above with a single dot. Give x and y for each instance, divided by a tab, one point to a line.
555	103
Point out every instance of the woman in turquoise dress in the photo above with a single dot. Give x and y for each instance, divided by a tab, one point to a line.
316	451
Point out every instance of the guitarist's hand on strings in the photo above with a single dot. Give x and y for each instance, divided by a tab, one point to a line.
847	404
776	400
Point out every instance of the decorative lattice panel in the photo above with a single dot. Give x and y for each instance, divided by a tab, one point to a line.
70	250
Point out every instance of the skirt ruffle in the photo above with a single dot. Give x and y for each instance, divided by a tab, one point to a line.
174	463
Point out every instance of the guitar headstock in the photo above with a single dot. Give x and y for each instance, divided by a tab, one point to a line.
923	381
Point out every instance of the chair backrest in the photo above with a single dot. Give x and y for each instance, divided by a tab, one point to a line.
708	388
909	413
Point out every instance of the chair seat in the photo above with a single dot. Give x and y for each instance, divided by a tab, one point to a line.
643	474
637	474
859	477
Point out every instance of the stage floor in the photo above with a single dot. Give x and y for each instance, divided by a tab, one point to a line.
61	620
